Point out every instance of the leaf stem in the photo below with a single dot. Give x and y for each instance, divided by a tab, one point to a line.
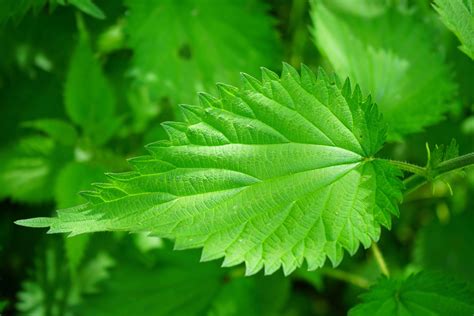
405	166
423	174
380	260
353	279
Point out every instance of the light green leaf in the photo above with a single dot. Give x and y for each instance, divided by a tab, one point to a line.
59	130
184	47
28	170
448	247
423	294
393	57
271	174
458	16
89	99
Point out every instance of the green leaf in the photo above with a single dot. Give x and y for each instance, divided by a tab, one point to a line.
421	294
392	56
442	153
87	6
271	174
89	99
16	9
178	285
28	170
448	247
458	16
183	47
59	131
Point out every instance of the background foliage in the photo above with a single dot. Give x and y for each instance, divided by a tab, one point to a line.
85	84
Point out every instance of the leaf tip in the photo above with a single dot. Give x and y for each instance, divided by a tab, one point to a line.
37	222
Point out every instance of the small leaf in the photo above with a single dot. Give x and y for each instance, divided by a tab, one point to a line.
423	294
89	99
458	16
442	153
87	6
272	174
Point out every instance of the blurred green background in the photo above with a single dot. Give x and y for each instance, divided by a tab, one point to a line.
85	85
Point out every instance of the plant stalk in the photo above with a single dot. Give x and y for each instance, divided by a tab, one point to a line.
422	174
405	166
454	164
380	260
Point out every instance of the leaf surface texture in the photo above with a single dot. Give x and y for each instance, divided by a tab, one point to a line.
271	174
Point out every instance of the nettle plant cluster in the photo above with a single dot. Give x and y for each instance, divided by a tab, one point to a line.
289	171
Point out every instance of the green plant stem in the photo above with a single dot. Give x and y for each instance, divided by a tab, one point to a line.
454	164
353	279
423	174
380	260
405	166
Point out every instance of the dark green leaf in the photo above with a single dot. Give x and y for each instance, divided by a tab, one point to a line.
423	294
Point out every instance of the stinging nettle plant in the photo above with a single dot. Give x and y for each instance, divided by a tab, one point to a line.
275	173
284	173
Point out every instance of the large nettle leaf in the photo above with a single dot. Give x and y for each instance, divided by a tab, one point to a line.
423	294
392	55
181	47
271	174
